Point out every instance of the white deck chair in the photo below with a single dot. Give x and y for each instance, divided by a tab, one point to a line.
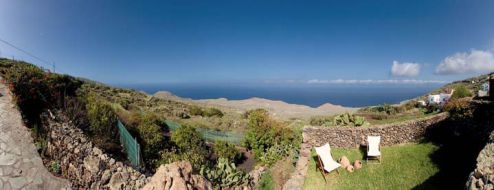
374	147
326	162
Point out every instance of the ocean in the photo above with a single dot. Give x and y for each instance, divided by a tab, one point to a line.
314	95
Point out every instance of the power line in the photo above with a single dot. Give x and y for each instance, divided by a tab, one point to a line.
28	53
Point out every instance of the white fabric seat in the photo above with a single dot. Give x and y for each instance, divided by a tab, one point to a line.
324	153
373	149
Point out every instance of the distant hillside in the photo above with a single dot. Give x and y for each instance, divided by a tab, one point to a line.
277	108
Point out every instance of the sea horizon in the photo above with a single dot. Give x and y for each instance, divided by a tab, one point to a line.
312	95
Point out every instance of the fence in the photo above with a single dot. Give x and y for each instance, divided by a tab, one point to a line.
210	134
132	148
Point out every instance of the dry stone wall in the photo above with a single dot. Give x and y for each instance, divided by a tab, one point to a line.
85	165
349	137
483	175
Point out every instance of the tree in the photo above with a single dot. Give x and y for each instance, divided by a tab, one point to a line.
461	91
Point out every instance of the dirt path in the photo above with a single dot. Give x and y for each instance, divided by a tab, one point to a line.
21	166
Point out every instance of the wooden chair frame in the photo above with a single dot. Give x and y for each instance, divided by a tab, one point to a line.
320	166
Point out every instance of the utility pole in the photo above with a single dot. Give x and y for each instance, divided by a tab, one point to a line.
53	64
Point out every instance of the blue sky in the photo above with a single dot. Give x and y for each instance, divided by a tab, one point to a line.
258	42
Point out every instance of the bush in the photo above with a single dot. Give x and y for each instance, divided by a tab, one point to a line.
270	140
461	91
459	109
151	136
210	112
191	145
321	121
101	117
195	110
226	150
224	174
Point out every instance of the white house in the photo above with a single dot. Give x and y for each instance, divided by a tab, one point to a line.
439	99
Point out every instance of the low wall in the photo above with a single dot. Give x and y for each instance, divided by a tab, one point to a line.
348	137
483	175
85	165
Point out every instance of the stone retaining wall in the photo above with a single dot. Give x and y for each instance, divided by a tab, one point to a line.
483	175
85	165
349	137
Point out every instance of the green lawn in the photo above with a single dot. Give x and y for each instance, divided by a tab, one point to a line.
403	167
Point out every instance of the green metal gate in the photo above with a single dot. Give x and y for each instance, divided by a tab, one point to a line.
132	148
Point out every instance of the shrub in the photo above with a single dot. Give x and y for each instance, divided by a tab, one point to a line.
270	140
459	109
151	136
101	117
321	121
210	112
224	174
461	91
191	145
195	110
226	150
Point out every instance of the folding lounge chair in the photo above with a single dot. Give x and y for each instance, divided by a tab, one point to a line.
325	160
374	147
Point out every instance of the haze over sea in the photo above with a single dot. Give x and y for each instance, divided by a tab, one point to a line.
311	95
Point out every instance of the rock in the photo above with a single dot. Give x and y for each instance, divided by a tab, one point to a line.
357	164
92	164
177	175
105	177
344	162
117	181
97	151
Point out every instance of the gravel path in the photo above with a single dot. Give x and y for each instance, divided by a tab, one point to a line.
21	166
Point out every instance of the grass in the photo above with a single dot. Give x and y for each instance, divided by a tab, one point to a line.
403	167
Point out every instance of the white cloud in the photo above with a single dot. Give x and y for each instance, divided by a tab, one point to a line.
370	81
405	69
474	61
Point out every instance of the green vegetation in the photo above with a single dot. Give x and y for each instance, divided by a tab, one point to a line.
403	167
266	182
206	112
461	91
269	139
187	145
347	119
226	150
55	167
224	174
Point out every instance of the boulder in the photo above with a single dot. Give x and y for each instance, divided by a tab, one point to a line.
118	181
177	175
92	163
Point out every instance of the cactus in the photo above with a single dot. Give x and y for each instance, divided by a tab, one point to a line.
224	175
347	119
